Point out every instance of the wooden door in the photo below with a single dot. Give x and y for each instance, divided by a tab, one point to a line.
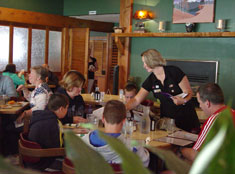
99	51
75	50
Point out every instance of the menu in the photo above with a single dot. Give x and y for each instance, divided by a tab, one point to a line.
180	138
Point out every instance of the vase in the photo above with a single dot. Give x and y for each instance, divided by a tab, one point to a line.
190	27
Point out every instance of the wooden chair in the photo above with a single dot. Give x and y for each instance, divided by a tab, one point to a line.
31	152
68	167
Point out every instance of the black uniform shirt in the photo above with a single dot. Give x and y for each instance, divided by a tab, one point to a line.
184	115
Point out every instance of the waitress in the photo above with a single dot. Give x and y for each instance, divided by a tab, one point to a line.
166	83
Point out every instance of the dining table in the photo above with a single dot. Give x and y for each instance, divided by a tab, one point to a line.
89	99
136	135
7	112
30	86
13	109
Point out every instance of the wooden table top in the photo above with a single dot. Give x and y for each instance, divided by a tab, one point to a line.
11	109
29	86
136	135
90	100
153	135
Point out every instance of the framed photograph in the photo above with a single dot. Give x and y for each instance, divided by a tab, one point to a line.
193	11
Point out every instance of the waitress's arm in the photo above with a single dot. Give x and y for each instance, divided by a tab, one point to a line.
185	87
140	96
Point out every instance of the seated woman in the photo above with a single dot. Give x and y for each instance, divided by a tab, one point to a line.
71	86
18	79
39	97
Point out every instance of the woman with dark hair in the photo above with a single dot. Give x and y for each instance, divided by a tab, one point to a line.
18	79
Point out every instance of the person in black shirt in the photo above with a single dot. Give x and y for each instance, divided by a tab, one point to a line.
166	83
52	78
71	86
45	129
92	68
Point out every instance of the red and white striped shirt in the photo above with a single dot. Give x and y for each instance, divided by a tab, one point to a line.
207	126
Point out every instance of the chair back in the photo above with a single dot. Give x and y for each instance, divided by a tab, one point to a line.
28	144
68	167
31	152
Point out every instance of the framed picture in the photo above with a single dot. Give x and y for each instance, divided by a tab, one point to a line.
193	11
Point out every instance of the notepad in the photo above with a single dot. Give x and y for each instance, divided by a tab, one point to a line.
184	135
180	138
18	124
175	141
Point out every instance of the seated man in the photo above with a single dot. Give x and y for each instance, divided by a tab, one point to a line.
211	100
45	129
114	117
7	86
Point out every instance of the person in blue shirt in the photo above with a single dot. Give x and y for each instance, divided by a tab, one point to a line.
114	117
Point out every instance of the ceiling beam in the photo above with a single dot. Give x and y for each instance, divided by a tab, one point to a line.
10	15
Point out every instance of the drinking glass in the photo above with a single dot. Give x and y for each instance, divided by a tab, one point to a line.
93	120
170	126
128	128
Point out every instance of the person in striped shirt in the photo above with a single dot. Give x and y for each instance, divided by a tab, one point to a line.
211	100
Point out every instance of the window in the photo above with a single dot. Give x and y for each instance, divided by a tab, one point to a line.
4	47
20	48
38	47
54	57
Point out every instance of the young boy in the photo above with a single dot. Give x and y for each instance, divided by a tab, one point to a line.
114	117
130	91
45	129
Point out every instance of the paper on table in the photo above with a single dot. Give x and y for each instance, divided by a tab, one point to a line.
182	95
98	113
18	124
184	135
175	141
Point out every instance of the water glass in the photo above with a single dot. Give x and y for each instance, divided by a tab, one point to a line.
170	126
102	96
121	94
93	120
128	127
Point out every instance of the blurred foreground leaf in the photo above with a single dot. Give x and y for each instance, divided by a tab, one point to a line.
223	160
85	159
172	161
7	168
131	163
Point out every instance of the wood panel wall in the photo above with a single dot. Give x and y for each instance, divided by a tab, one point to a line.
126	8
41	20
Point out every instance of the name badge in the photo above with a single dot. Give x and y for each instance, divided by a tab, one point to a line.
157	90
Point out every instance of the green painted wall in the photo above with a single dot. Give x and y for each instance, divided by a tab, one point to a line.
221	49
81	7
43	6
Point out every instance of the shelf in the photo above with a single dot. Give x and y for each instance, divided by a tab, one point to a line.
120	42
192	34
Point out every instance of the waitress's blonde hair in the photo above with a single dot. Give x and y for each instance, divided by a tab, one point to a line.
72	79
153	58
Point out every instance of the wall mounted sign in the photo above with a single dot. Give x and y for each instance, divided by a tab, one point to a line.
193	11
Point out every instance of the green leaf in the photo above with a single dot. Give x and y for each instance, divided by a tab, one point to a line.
131	163
85	159
209	151
223	161
172	161
7	168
